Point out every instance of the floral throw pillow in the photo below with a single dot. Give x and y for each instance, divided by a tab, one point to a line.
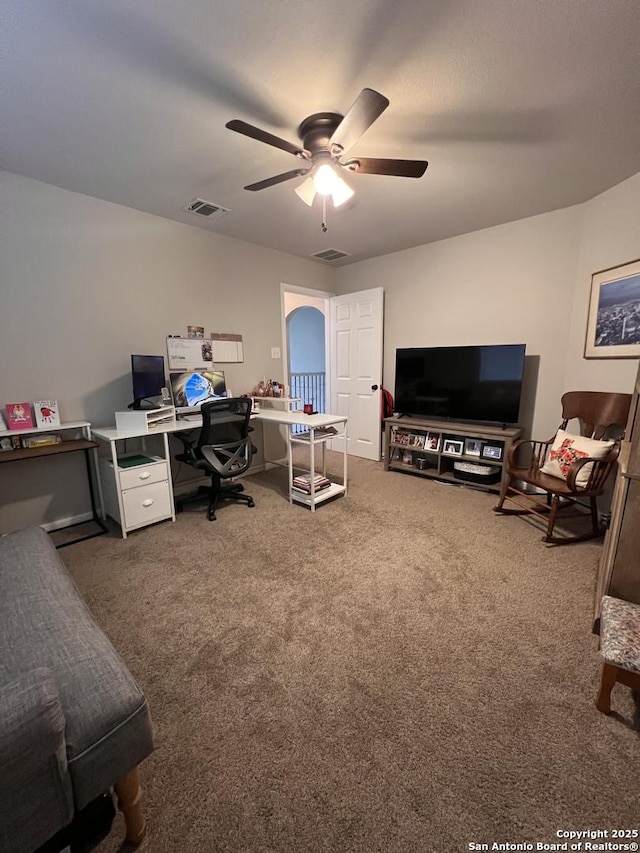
567	448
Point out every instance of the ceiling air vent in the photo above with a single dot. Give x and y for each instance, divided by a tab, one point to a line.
205	208
330	255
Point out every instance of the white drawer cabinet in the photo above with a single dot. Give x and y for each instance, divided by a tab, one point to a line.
143	475
146	504
138	495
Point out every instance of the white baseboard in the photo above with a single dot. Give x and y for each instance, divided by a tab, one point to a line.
66	522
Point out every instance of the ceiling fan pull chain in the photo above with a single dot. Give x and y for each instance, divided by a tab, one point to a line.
324	214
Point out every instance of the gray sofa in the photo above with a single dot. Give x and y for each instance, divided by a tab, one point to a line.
73	722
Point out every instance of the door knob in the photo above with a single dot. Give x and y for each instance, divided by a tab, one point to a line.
374	387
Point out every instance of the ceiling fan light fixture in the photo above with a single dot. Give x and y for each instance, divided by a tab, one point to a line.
306	191
324	179
326	182
341	192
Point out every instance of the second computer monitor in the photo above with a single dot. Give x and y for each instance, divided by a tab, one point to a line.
192	388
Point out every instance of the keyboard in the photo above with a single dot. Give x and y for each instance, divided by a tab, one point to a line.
191	418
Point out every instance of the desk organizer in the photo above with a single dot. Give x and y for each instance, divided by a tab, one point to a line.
135	420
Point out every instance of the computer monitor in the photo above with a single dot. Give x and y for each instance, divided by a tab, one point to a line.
147	375
192	388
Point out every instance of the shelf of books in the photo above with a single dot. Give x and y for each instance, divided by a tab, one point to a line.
307	486
463	453
324	489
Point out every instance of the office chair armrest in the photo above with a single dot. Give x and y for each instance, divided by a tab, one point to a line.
189	454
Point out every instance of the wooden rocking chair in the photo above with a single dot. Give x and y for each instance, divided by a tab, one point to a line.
602	417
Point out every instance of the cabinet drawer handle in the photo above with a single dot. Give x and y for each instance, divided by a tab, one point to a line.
144	476
148	502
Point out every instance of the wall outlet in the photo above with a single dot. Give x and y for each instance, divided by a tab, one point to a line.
275	352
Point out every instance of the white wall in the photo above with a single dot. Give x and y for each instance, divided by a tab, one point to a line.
501	285
85	283
610	236
524	282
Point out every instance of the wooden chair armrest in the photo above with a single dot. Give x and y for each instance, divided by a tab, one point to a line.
599	472
537	452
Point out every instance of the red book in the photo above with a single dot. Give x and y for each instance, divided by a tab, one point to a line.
19	416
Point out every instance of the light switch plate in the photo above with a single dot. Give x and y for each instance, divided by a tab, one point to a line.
275	352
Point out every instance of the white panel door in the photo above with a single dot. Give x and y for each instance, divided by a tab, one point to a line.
356	369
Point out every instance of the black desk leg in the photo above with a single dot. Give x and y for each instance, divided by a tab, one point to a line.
96	518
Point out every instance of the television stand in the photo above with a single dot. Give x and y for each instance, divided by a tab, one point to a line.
449	451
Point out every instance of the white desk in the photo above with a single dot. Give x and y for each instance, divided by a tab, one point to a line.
316	424
143	494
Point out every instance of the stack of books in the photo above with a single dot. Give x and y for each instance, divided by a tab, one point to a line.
303	483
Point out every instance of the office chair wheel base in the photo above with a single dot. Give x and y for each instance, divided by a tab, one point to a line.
251	503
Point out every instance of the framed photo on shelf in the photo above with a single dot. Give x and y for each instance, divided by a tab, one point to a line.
416	439
407	458
613	324
432	441
452	447
492	451
400	436
472	446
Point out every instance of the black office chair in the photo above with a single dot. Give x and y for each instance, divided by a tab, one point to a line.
223	450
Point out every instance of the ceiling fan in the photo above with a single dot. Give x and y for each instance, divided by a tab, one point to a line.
326	138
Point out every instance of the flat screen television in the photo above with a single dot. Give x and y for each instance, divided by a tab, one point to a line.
191	388
147	377
477	384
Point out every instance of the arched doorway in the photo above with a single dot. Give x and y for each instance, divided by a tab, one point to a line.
306	353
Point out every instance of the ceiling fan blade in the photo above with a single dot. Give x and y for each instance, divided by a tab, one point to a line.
262	136
277	179
368	106
378	166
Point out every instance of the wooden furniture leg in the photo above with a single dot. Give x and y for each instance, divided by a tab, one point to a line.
129	795
609	678
612	675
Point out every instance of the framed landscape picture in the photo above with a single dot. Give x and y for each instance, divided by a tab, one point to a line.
613	326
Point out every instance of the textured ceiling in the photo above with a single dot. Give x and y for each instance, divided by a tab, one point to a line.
520	107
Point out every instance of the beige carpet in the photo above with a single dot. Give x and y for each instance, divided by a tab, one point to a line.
400	671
